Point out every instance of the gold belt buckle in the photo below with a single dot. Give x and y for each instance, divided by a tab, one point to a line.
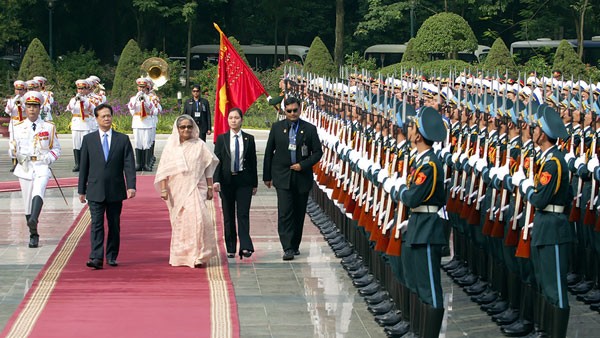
33	158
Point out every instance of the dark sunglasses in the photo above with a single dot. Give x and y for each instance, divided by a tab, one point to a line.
185	127
292	110
195	91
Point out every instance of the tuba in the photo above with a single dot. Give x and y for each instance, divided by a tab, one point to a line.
156	69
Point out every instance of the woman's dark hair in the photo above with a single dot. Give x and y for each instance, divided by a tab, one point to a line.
238	110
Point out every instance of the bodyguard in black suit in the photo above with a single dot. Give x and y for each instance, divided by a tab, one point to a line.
237	182
199	109
106	163
292	149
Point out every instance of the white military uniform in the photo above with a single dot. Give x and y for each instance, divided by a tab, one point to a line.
46	110
142	109
35	150
15	108
82	121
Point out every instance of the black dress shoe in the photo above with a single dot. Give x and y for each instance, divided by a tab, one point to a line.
288	255
357	264
498	307
34	241
347	251
573	279
595	307
451	265
476	288
363	281
360	272
582	287
519	328
388	319
467	280
339	246
94	263
336	240
397	330
332	235
245	253
382	308
296	252
458	273
507	317
377	297
349	259
230	255
112	262
486	297
369	289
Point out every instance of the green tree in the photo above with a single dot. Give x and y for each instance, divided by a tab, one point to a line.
239	49
358	61
73	66
446	33
499	58
411	54
36	62
128	70
567	61
319	60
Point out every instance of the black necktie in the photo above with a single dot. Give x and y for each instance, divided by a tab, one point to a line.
236	161
33	126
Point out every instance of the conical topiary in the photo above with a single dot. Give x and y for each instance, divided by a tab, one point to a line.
446	33
36	62
567	61
319	60
128	70
499	58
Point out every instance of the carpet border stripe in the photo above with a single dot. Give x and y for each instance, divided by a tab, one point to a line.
220	315
29	314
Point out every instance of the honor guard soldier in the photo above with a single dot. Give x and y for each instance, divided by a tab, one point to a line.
48	96
141	108
423	192
15	108
551	234
97	89
35	147
82	120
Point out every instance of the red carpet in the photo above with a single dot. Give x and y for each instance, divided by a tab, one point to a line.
143	297
14	185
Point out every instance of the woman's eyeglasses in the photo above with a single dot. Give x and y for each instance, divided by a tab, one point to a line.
185	127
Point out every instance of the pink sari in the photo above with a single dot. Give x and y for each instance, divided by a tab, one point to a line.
185	168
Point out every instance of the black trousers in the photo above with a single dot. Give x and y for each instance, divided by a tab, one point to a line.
203	136
236	198
113	217
291	209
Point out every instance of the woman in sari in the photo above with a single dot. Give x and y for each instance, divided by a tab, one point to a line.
184	179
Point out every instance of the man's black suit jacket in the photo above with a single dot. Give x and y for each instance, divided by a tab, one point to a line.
104	181
204	121
277	160
249	176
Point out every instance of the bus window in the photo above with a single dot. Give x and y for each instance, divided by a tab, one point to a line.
524	50
259	56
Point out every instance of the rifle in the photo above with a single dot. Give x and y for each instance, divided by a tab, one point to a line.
524	246
590	213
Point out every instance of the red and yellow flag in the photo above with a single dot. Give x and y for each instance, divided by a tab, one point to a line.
237	86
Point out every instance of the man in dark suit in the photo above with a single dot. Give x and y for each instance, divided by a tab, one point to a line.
292	149
106	163
236	180
199	109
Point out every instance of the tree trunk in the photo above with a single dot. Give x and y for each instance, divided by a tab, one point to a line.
275	38
188	54
580	30
339	33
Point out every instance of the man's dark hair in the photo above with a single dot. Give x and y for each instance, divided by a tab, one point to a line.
196	86
102	106
291	100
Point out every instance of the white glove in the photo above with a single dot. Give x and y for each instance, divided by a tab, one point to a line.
455	157
493	171
445	150
354	156
462	158
480	164
502	172
568	157
526	184
518	177
472	160
593	163
579	162
21	158
381	175
340	148
401	181
403	224
363	164
388	184
47	159
374	168
269	98
437	146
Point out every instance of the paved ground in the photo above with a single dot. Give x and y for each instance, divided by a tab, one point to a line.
310	296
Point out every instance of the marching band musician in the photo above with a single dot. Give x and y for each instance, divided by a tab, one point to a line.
35	146
156	102
82	120
48	97
96	90
15	108
142	109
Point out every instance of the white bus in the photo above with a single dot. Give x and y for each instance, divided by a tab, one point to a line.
388	54
524	50
259	56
